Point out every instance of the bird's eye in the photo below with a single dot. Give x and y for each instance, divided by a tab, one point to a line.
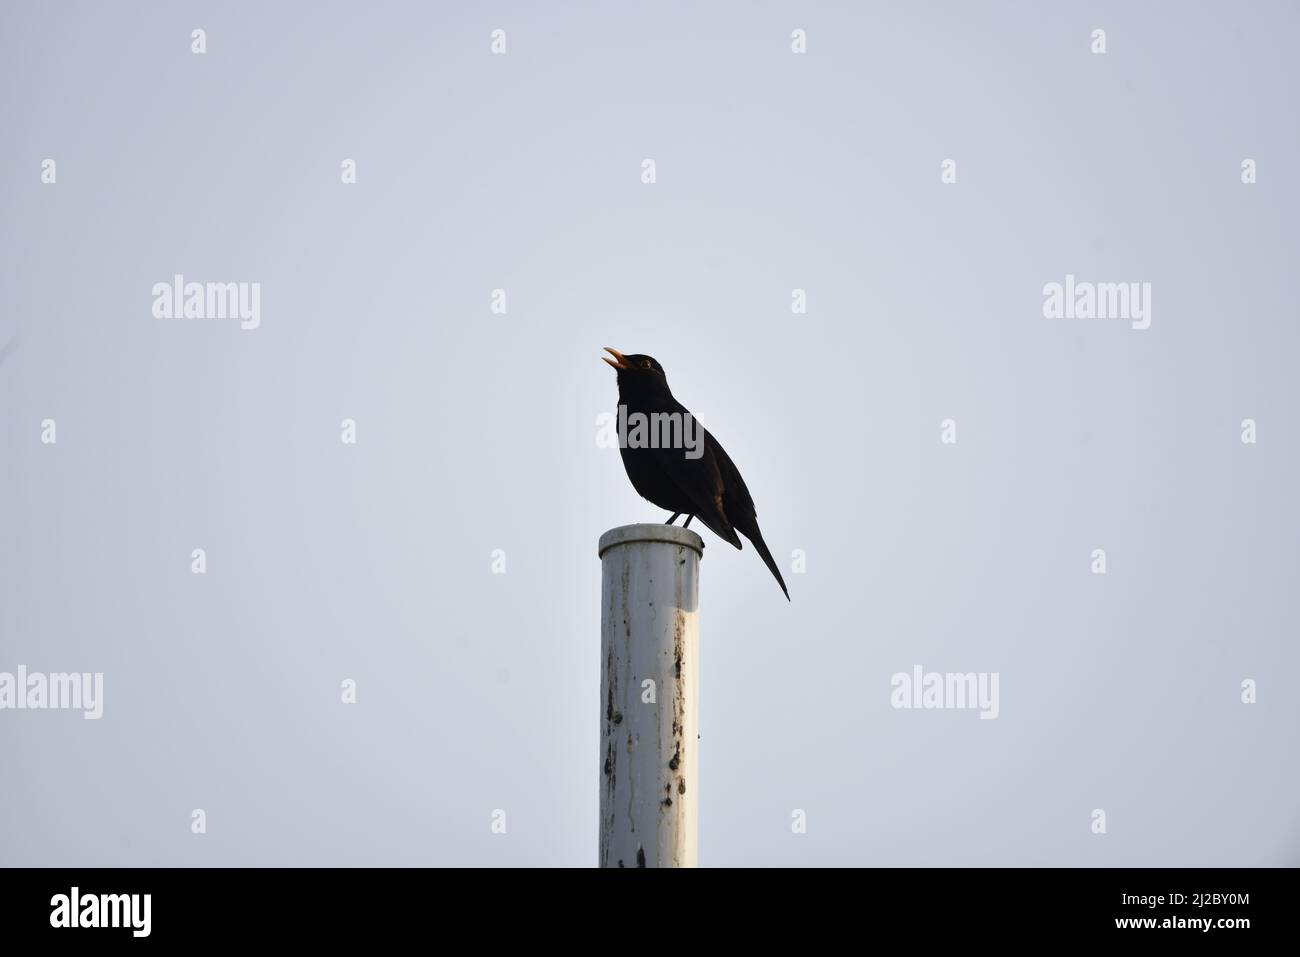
645	363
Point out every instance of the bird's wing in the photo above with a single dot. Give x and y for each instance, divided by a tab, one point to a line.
736	498
702	482
739	506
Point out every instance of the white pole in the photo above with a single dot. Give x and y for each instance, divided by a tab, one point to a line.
649	696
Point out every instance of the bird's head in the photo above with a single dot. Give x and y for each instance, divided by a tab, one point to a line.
637	371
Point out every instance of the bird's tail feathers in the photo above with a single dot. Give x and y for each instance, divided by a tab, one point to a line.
755	536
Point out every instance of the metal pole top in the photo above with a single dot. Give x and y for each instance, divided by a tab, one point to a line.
671	534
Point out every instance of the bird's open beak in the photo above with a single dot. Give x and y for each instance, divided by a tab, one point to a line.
622	361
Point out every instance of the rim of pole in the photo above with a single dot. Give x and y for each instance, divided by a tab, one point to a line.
671	534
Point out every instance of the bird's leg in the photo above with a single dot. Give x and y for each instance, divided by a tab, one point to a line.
687	523
673	519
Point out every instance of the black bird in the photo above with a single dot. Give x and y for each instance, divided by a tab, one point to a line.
692	474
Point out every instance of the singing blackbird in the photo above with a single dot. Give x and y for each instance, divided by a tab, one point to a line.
691	473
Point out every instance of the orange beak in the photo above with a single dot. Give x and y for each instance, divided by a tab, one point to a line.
622	361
